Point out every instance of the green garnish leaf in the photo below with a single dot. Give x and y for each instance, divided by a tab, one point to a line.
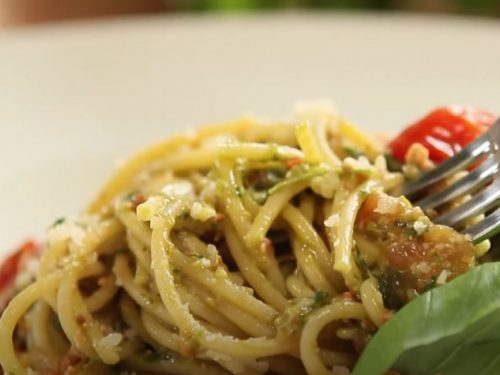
450	330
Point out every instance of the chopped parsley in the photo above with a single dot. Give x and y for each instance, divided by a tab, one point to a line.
59	221
320	298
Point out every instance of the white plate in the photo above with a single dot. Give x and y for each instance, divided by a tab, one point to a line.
74	97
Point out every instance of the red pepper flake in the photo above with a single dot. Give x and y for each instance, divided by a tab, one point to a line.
268	246
102	281
136	199
70	360
292	162
80	319
348	295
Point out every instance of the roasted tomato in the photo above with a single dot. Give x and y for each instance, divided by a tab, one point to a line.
11	266
444	131
405	251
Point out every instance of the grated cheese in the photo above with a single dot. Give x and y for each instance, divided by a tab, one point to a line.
202	211
332	221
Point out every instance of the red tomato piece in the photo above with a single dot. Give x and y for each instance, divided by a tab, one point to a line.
444	131
10	267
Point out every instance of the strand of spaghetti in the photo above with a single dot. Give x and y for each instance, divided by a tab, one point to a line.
172	341
14	311
54	250
194	247
219	286
103	295
306	232
258	151
251	273
373	301
124	178
307	263
298	287
209	314
78	323
48	263
249	203
142	275
327	154
230	192
193	159
343	261
307	207
149	301
240	217
339	309
333	208
315	145
191	244
364	141
277	132
168	365
270	211
44	336
245	321
161	334
131	314
161	249
139	250
144	298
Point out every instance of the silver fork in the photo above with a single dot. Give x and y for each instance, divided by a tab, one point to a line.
483	183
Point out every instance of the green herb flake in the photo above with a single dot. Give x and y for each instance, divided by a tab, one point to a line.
393	165
59	221
155	356
320	298
239	191
302	172
130	196
353	152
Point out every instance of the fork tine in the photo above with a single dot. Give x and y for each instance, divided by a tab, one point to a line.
477	205
486	228
477	178
461	160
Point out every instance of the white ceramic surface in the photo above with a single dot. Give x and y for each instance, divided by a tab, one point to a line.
74	97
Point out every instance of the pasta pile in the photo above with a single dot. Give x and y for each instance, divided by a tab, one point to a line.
229	250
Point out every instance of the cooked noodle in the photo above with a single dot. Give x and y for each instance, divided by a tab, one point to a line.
228	250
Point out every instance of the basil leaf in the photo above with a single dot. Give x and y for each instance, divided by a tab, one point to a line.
451	330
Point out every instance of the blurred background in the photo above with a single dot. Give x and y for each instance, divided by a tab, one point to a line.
28	12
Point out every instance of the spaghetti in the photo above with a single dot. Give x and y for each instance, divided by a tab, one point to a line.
242	248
